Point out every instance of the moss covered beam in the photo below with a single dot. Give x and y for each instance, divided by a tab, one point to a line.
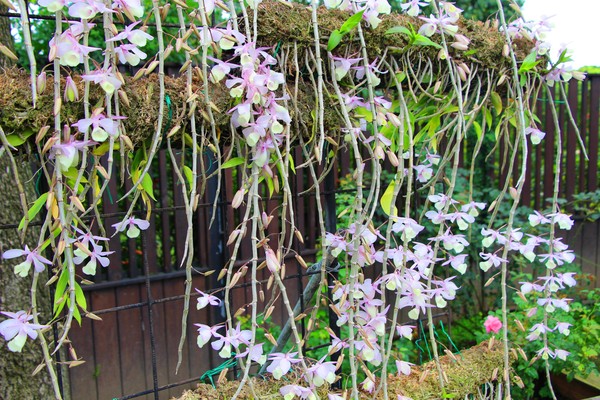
467	372
281	26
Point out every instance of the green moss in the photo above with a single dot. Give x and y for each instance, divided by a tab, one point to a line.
466	373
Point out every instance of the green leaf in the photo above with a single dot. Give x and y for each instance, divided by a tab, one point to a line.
292	165
398	29
72	174
400	76
18	139
386	199
270	185
351	22
189	176
148	186
34	210
59	291
47	242
104	147
497	131
420	40
529	62
233	162
488	117
187	138
80	297
478	130
497	103
362	112
77	315
140	155
334	39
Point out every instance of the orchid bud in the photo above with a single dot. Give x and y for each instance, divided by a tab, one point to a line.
41	82
66	132
460	46
462	74
393	158
272	261
167	52
394	119
71	92
52	53
379	153
462	39
238	198
465	68
531	312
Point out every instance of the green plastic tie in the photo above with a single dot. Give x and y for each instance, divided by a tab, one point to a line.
555	101
168	101
216	371
426	341
277	48
449	338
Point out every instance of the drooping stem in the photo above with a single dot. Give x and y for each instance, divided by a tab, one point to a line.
509	226
24	14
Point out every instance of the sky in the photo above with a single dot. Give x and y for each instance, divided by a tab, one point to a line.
576	24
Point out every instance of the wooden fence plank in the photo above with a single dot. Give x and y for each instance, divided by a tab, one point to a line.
572	143
593	134
107	362
131	340
110	206
549	153
165	216
173	310
82	380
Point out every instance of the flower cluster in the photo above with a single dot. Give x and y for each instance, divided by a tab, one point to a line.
89	249
538	31
16	329
32	257
552	253
259	113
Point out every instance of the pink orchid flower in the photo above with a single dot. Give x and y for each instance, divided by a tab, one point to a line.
16	329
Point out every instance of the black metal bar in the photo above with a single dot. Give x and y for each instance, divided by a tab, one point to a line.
160	388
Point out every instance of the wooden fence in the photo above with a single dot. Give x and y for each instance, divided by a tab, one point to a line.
139	296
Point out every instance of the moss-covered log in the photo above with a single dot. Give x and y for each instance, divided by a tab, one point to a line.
280	26
466	373
17	116
281	23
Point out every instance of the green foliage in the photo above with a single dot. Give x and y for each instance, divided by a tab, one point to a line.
587	205
414	38
337	35
583	341
484	9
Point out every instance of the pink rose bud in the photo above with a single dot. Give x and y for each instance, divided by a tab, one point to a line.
492	324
